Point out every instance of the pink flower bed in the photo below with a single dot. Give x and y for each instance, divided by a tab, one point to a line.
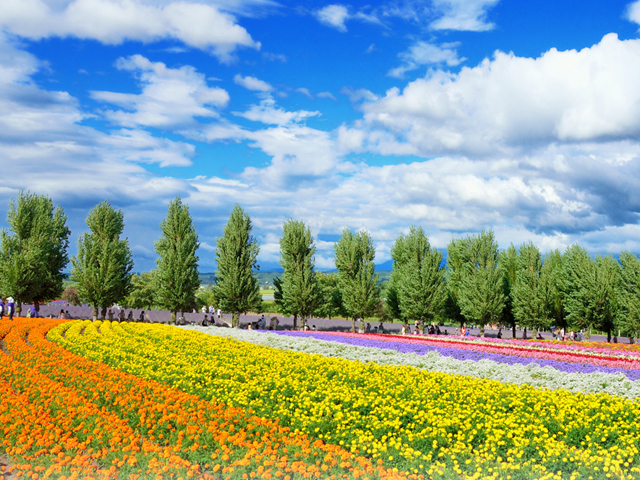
576	355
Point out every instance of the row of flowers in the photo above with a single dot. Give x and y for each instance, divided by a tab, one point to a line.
417	420
629	352
65	416
575	377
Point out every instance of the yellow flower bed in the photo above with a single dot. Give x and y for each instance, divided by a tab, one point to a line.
422	422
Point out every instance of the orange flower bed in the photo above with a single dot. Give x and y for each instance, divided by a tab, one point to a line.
66	417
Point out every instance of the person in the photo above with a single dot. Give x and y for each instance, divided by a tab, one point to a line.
404	329
204	309
130	316
381	328
181	319
10	307
121	315
219	313
375	330
67	315
446	332
314	328
500	333
463	330
368	329
205	322
62	313
141	319
110	315
539	337
211	310
1	308
263	322
33	313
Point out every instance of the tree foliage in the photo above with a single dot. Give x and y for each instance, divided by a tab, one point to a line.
102	267
481	289
418	290
354	255
530	292
298	290
176	278
237	288
330	304
590	290
33	251
629	295
142	294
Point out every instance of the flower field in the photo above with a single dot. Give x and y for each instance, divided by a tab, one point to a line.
443	409
64	416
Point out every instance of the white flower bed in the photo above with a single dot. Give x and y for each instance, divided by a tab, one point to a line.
532	374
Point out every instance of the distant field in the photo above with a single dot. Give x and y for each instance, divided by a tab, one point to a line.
266	291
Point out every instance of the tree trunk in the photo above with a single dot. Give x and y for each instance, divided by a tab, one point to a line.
524	333
235	320
37	305
104	313
588	334
361	328
18	308
172	318
482	323
608	336
353	325
295	321
513	332
421	325
94	313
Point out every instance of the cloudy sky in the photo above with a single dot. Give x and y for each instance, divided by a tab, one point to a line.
456	115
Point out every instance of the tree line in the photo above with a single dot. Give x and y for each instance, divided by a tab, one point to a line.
478	283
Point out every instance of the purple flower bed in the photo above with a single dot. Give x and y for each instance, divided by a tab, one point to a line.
459	354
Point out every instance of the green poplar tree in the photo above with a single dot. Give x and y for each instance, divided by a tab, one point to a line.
142	294
629	295
176	277
33	251
530	291
590	290
330	304
237	288
103	265
481	293
457	260
354	255
298	293
509	265
417	277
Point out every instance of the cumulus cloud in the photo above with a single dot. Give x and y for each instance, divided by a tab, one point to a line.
465	15
305	91
170	98
512	102
198	25
633	12
267	112
334	16
424	53
252	83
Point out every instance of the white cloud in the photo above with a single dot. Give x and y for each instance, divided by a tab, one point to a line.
267	112
465	15
114	21
513	102
359	94
633	12
305	92
423	53
274	57
327	95
170	98
252	83
334	16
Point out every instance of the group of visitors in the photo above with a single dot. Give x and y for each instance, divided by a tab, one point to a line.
378	329
7	307
560	334
261	323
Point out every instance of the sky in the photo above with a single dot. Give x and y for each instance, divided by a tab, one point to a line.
455	115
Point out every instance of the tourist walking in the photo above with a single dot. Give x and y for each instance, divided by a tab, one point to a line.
10	307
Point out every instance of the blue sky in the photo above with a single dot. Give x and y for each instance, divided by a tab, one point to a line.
456	115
